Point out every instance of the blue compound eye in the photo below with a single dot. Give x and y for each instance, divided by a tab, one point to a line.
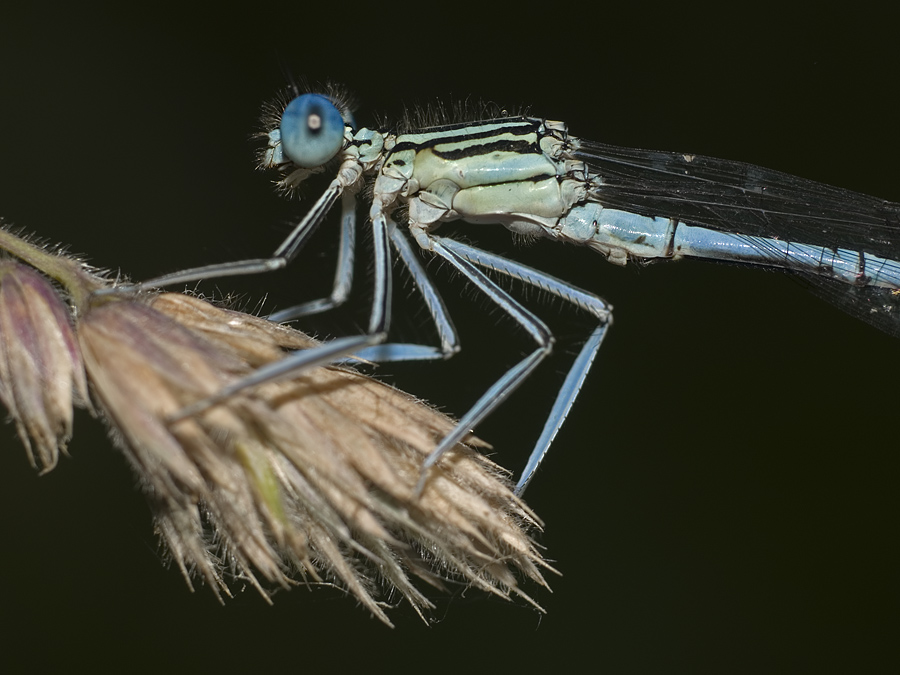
312	130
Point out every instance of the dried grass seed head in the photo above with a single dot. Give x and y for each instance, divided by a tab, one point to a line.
41	374
315	472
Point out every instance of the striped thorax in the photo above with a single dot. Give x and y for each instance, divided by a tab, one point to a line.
516	172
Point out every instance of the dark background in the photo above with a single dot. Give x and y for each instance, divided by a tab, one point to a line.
723	498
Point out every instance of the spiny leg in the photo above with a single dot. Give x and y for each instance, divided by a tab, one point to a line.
282	256
436	308
512	378
343	276
582	364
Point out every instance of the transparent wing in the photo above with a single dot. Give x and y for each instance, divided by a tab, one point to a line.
743	198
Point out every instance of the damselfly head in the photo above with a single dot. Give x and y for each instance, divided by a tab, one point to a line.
312	130
305	131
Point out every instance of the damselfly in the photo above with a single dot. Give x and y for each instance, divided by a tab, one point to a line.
534	178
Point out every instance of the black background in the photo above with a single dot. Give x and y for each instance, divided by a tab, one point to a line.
724	496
